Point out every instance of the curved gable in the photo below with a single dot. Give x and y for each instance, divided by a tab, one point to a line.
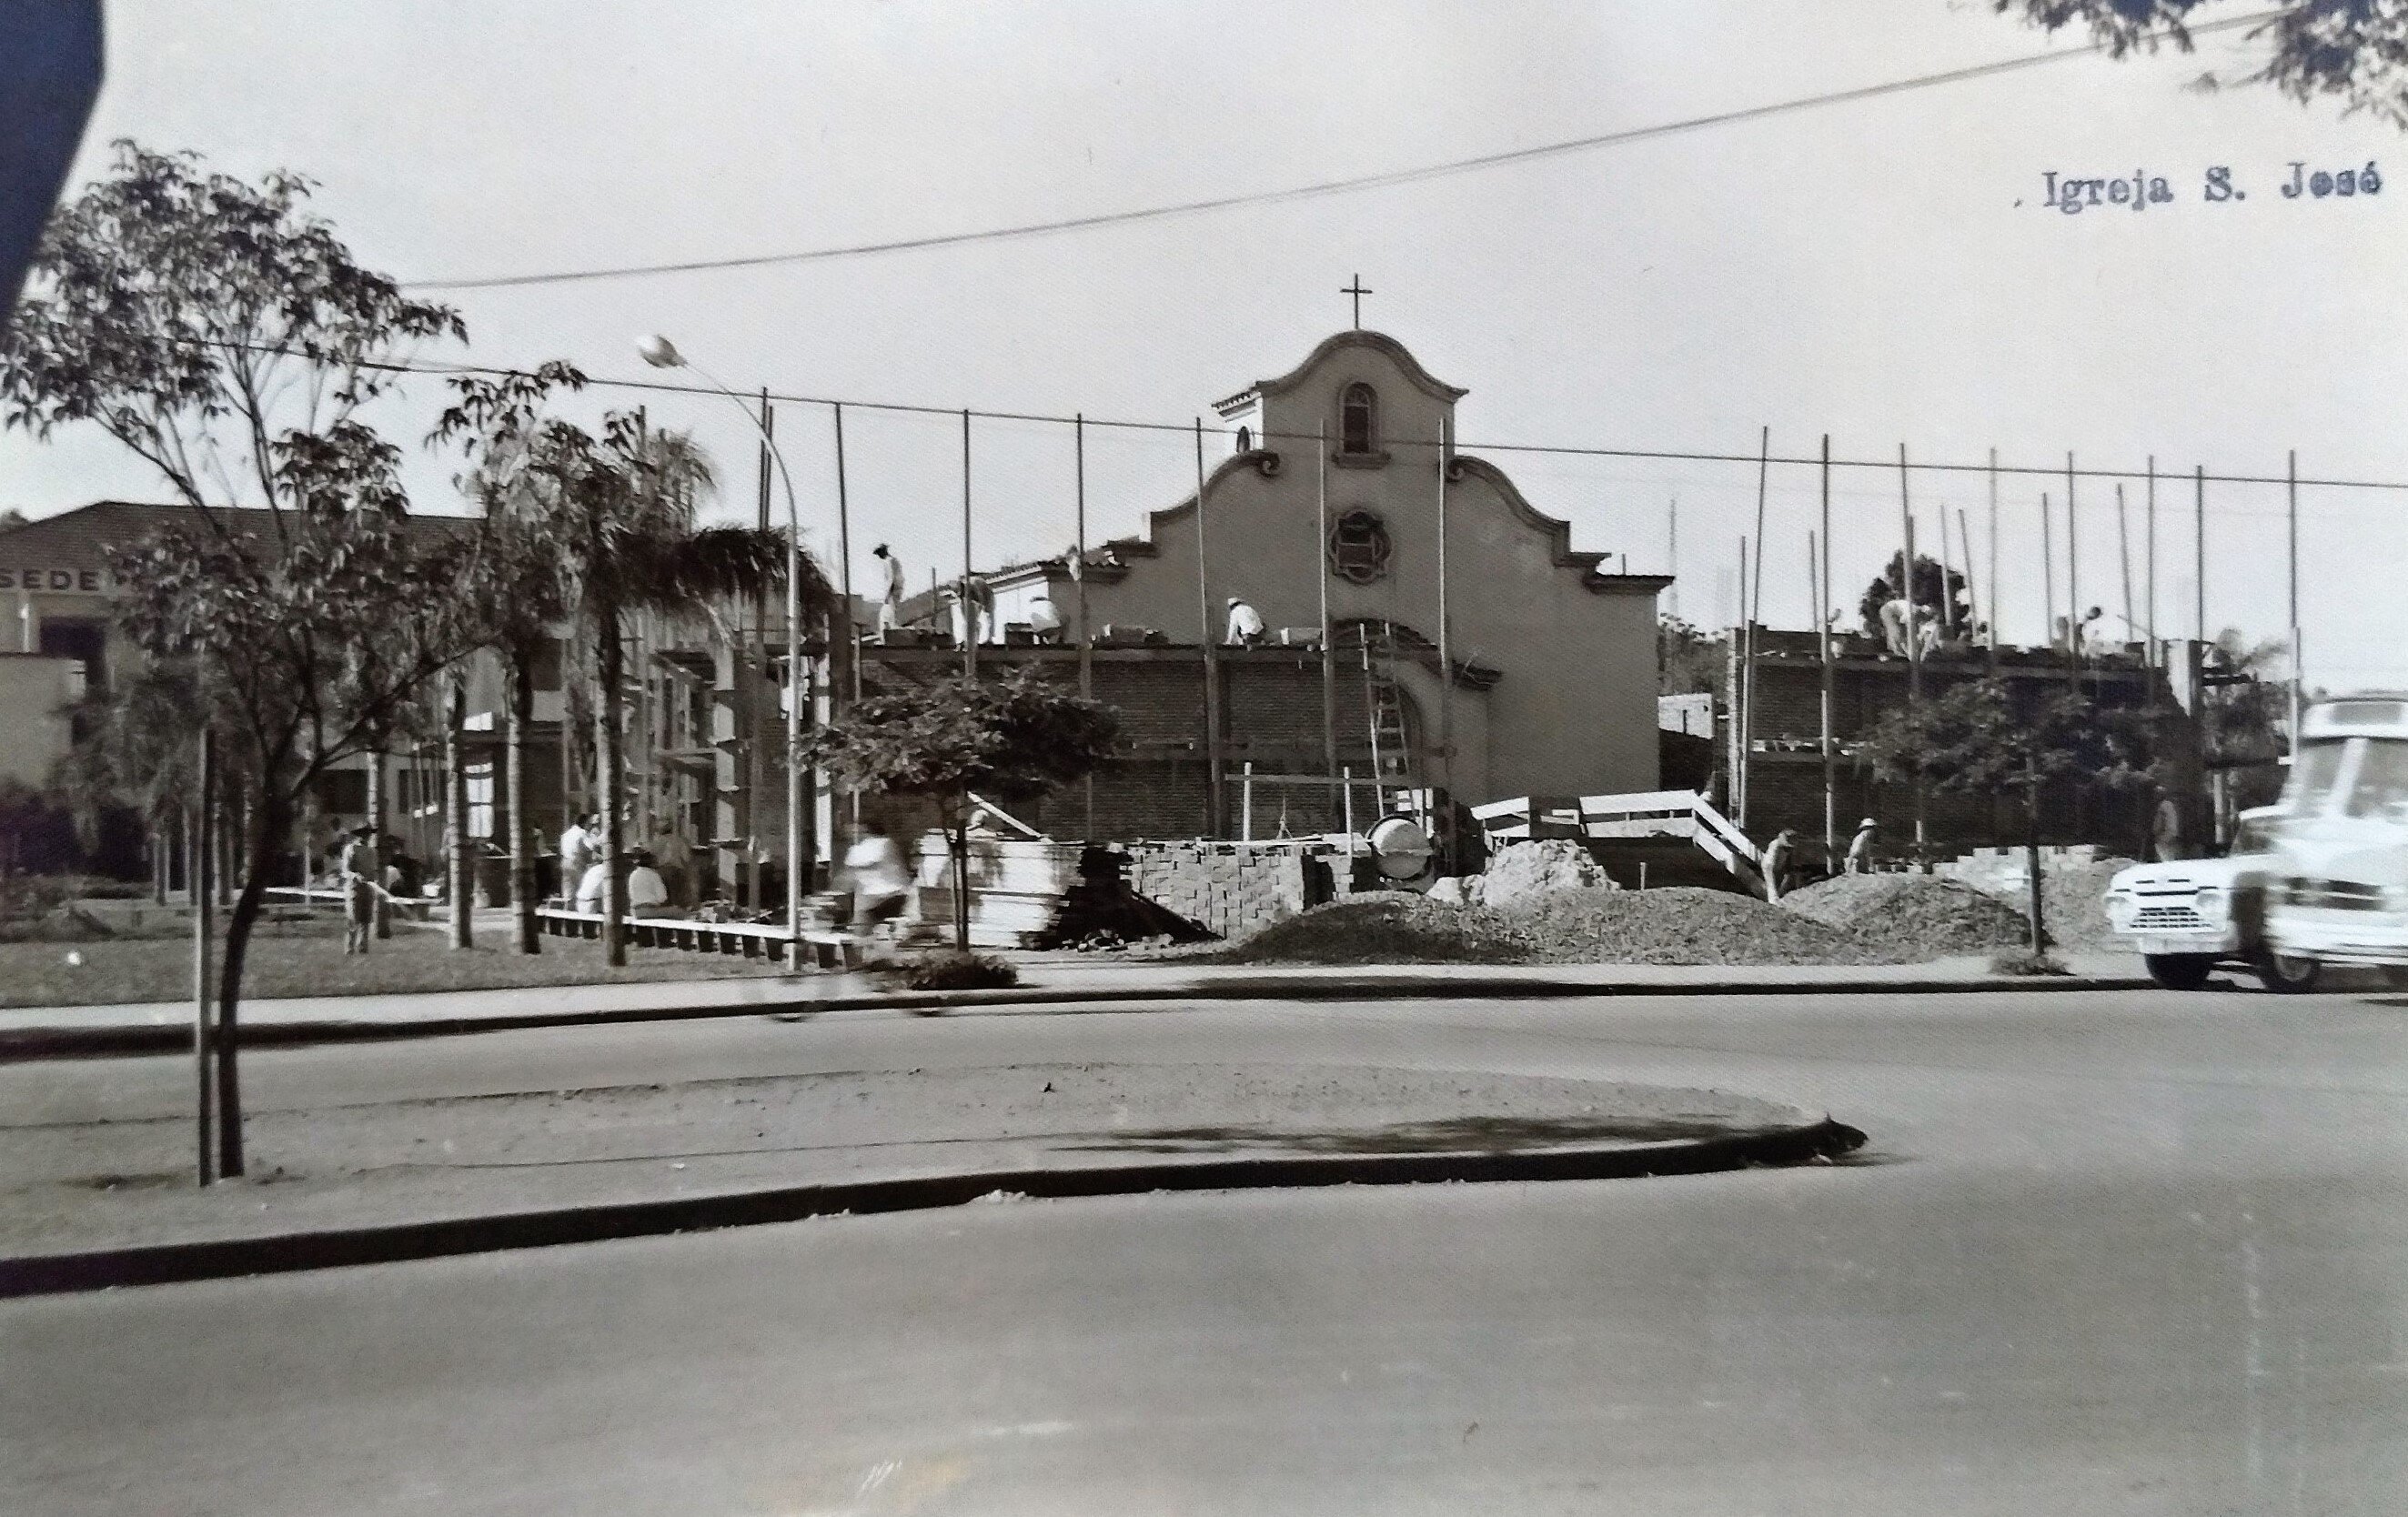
1557	531
1379	342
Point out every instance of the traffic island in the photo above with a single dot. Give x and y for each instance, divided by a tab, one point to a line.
88	1205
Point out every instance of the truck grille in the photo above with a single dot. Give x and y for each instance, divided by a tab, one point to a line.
2183	918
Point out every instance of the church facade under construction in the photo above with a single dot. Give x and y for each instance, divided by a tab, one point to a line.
1422	624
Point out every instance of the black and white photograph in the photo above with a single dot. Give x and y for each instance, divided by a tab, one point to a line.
914	758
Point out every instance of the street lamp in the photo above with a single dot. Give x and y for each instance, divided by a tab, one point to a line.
660	353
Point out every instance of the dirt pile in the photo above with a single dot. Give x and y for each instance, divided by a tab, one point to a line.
1681	925
1912	915
1521	871
1383	928
1599	924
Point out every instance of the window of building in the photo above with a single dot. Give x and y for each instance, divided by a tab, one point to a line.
1245	439
1356	416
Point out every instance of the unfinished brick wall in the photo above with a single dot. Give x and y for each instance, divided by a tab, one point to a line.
1234	891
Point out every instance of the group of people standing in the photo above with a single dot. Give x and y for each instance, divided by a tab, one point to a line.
659	879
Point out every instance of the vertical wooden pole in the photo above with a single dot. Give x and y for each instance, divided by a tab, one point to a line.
2149	606
1913	653
1078	592
455	817
1321	587
1212	661
1822	646
1673	550
2299	688
1441	814
2074	575
969	569
1747	692
1994	602
2124	555
204	979
2048	564
1751	608
2199	551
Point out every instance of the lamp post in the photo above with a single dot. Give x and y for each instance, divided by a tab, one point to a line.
660	353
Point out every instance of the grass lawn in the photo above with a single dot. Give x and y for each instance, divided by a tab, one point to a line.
307	959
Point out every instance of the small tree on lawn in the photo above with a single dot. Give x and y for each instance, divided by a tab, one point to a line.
1014	737
616	513
1971	739
221	332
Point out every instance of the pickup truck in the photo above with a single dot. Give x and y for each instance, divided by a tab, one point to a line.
2188	917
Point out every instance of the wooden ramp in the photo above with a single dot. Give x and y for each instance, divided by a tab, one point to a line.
1639	820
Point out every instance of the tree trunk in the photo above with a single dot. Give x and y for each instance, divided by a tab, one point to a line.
2032	856
160	848
458	846
522	837
270	825
960	839
609	657
383	907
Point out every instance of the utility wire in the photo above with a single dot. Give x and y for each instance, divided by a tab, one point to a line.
1187	428
1386	180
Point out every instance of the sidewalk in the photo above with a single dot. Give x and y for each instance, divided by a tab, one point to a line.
84	1205
1056	980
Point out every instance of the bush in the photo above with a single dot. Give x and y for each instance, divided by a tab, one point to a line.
953	970
2023	961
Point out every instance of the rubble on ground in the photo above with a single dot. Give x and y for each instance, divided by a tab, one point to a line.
1595	924
1915	915
1681	925
1520	871
1384	927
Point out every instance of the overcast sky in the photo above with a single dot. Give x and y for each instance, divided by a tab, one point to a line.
1883	271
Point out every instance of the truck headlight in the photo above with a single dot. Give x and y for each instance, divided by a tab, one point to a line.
2119	909
2211	902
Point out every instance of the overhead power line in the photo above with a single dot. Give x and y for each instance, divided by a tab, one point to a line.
1188	428
1311	192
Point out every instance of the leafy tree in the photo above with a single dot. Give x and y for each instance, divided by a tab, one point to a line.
1973	738
1688	661
2246	722
205	323
2353	50
616	512
1014	737
134	749
1931	591
221	332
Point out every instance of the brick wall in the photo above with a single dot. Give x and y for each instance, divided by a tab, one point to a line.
1233	890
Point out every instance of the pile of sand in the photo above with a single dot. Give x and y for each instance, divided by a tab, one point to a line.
1913	916
1598	924
1519	872
1680	924
1383	928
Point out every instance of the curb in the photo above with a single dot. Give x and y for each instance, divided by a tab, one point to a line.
160	1264
22	1045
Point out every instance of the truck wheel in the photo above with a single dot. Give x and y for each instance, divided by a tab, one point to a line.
2180	971
2287	973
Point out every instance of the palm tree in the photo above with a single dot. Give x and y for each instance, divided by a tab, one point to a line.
617	514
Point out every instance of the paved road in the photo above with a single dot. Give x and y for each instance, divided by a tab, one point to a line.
2114	1253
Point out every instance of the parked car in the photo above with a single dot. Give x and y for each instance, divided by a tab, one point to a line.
2188	917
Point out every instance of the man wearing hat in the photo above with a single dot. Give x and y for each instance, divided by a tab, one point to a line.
363	880
1860	848
1246	624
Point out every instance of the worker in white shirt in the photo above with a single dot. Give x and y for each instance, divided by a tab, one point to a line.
890	607
648	893
1044	621
1245	628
